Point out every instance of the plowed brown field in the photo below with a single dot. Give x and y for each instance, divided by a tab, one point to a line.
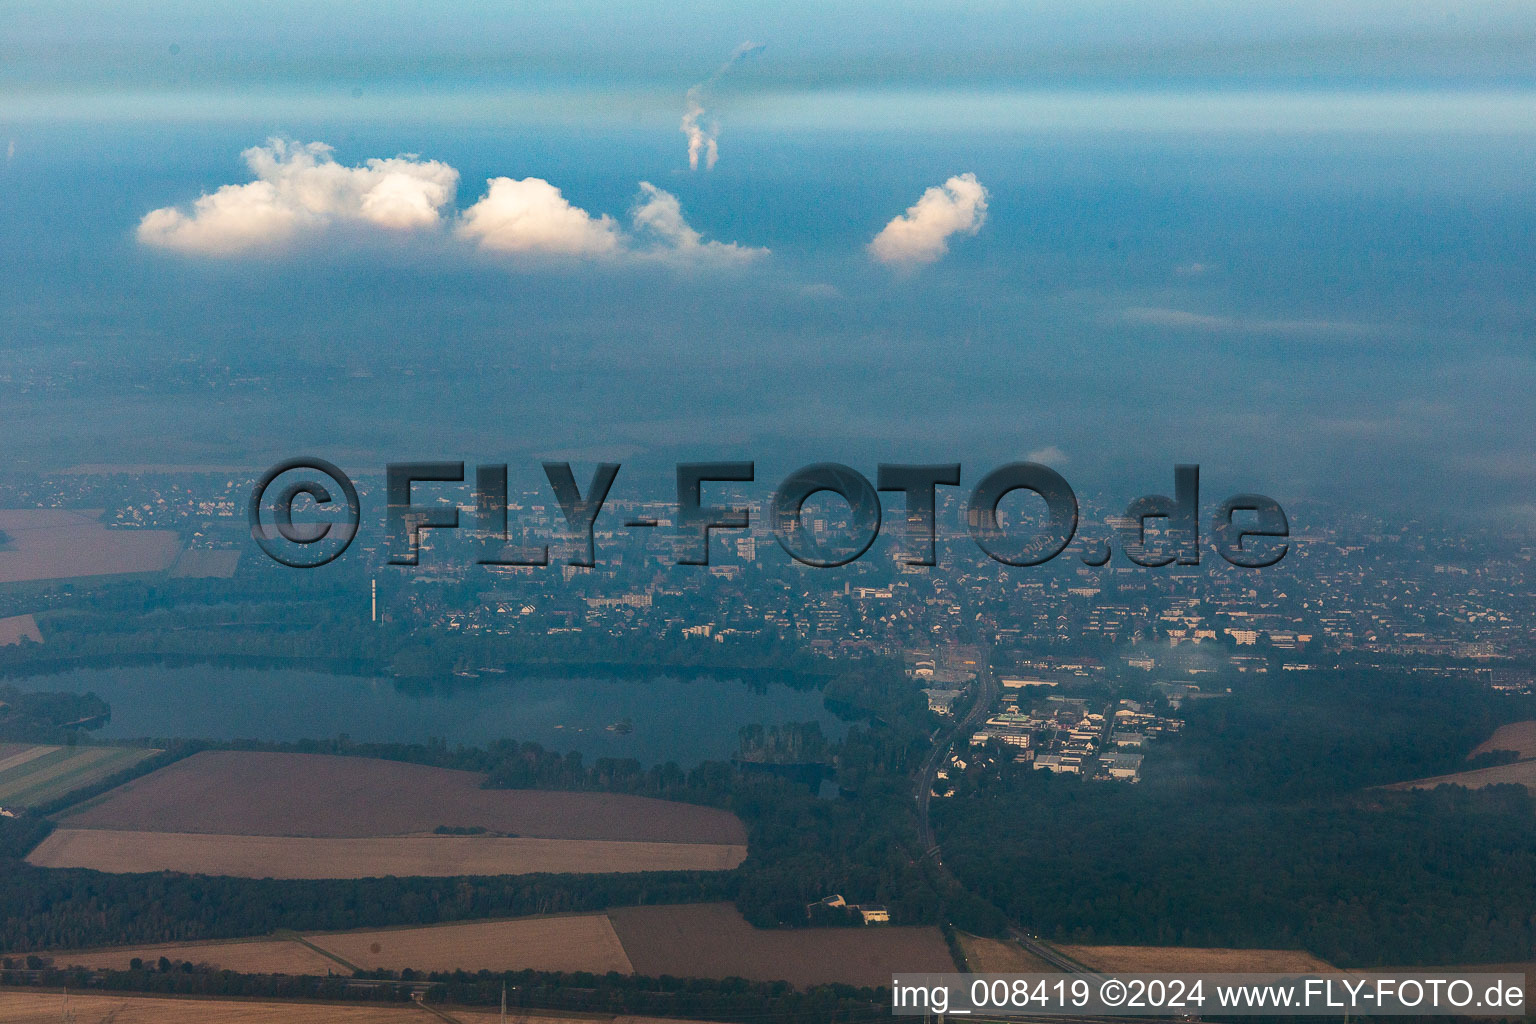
264	794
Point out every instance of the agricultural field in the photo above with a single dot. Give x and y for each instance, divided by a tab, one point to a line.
243	856
1176	959
264	815
18	628
203	564
579	942
56	543
709	940
316	795
27	1007
1520	773
712	940
1000	956
244	956
1517	736
32	775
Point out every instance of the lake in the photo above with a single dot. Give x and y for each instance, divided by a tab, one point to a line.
686	720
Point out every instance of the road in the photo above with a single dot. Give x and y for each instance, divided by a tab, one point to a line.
928	774
986	699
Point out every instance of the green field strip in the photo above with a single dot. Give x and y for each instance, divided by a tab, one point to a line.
20	756
84	767
25	790
22	776
119	759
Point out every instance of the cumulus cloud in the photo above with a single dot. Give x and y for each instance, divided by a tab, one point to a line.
531	216
921	235
658	219
301	189
703	135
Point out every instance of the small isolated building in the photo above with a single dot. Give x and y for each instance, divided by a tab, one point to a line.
1120	765
942	702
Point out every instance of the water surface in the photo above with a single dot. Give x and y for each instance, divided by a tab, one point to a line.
669	718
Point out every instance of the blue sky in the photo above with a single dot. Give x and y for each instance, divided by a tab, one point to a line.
80	46
1290	242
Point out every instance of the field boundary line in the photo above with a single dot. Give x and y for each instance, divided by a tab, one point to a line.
301	940
31	753
435	1011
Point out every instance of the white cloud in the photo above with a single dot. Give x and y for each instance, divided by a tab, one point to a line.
921	235
299	189
1050	455
1183	319
658	216
531	216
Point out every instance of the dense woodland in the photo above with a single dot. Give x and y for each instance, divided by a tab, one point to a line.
1257	828
48	717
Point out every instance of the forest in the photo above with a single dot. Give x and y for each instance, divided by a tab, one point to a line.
47	717
1260	827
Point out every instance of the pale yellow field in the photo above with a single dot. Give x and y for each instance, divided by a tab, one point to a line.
28	1007
56	543
257	956
431	856
1173	959
1517	736
1000	956
584	942
1521	773
47	1008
